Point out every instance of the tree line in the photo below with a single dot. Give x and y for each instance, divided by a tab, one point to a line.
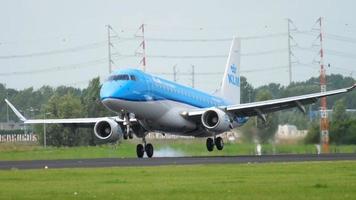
60	102
342	129
69	102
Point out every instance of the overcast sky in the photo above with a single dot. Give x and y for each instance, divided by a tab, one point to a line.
65	42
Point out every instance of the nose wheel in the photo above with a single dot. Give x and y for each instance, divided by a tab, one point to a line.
218	142
145	147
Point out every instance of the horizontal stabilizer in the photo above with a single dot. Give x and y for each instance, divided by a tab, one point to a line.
18	114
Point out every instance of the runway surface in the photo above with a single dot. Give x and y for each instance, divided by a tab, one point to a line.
125	162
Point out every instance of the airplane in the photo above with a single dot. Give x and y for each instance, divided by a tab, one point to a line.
146	103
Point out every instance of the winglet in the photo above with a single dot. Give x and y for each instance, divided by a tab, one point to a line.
18	114
351	88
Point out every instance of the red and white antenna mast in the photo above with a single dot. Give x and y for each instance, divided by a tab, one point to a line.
141	50
324	122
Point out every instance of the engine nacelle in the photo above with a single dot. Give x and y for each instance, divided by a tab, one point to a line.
216	120
108	130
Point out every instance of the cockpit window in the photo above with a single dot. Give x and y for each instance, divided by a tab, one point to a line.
133	77
119	77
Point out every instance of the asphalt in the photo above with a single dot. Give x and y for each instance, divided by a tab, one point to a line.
134	162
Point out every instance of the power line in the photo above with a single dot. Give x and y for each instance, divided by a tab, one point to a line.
186	56
221	72
264	69
76	83
54	69
153	39
340	53
283	50
341	38
60	51
172	56
314	66
330	52
330	36
36	41
264	36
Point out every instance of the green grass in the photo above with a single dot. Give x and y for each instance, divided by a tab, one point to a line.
313	180
194	147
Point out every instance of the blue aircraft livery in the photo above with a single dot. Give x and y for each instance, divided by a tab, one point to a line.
232	76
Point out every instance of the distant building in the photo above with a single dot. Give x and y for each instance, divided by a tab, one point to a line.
315	114
290	132
9	133
18	138
11	126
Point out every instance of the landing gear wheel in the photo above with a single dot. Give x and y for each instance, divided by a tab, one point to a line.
140	150
210	144
130	135
219	142
125	136
149	150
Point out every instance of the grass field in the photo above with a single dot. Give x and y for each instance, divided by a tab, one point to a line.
194	147
313	180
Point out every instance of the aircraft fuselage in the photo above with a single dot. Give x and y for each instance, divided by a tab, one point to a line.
157	103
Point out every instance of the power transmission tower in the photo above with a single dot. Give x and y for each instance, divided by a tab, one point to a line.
175	73
290	53
324	122
142	47
193	76
109	48
7	107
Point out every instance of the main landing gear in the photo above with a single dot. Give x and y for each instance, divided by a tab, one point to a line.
145	147
218	142
128	133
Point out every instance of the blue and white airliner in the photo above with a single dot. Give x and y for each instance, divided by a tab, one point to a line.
145	103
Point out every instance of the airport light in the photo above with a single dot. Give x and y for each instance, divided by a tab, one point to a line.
32	110
7	106
44	129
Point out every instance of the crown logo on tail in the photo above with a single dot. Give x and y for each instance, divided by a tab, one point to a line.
233	68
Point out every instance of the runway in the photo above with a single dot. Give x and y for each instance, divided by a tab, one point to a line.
135	162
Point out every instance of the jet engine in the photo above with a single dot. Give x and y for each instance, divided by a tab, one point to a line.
216	120
108	130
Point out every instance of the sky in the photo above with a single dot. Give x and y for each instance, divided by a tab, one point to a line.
65	42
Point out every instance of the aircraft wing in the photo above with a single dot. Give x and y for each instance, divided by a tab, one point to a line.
78	121
262	107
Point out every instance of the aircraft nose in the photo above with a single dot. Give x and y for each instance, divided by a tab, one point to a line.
108	90
112	89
